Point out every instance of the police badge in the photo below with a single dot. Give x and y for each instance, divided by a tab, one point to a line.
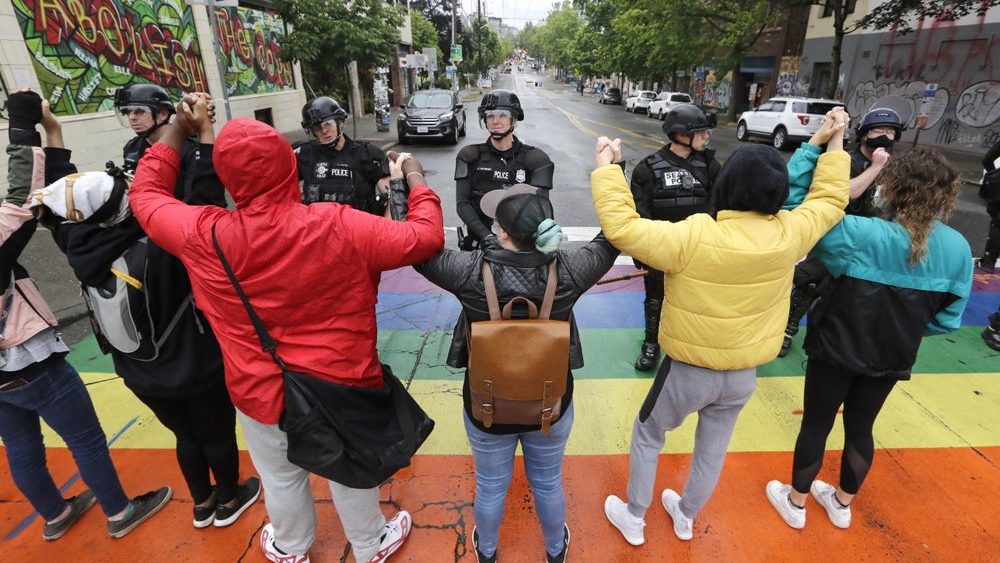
321	170
520	176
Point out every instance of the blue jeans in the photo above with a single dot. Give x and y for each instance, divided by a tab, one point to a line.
493	455
58	396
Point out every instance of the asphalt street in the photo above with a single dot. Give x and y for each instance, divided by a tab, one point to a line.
562	123
565	125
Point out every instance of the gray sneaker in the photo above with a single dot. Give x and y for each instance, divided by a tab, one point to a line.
139	509
77	506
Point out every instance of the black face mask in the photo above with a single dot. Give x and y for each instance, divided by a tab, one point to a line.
880	142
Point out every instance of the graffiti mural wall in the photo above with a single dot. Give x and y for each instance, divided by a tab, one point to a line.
250	41
958	64
84	50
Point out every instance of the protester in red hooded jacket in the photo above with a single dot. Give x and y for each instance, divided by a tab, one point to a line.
312	274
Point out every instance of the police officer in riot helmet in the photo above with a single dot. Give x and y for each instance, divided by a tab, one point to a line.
501	161
669	185
876	134
145	108
335	168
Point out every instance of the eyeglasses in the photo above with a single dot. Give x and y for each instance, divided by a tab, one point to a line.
878	131
138	111
705	132
497	113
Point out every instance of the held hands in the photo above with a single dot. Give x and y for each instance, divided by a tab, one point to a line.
196	113
49	121
608	151
405	166
832	128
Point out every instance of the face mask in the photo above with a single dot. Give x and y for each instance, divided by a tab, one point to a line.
493	229
880	142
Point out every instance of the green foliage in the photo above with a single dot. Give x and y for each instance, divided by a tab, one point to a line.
527	39
555	39
484	50
423	32
328	34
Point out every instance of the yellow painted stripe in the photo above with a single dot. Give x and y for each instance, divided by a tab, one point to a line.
931	411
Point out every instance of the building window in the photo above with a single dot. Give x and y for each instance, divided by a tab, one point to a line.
828	7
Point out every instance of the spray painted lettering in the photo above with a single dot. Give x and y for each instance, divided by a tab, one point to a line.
84	50
250	41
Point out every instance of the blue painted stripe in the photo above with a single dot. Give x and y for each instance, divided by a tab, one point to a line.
438	311
73	479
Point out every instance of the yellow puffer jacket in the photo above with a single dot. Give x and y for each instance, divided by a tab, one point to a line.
727	280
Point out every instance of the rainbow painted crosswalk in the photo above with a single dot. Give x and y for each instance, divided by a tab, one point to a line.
930	496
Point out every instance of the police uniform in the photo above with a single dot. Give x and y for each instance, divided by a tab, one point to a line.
345	176
481	168
863	205
667	187
190	154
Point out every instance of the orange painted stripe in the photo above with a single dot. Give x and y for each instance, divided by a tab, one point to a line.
917	505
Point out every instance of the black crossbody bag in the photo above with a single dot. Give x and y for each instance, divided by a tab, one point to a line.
354	436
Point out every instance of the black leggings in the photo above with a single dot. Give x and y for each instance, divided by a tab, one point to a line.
827	387
205	427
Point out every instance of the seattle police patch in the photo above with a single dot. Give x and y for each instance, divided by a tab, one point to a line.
520	176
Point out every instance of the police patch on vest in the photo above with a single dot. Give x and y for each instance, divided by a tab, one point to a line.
503	175
321	169
520	176
680	179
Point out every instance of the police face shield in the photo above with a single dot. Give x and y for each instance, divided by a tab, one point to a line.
138	118
326	132
499	122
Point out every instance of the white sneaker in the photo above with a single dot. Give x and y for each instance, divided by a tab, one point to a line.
824	493
682	524
631	527
396	531
777	493
273	553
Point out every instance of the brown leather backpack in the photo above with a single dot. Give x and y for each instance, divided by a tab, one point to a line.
518	368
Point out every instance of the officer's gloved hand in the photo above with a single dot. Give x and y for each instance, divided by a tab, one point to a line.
491	242
24	109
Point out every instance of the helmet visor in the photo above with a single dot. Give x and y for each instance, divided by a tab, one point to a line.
125	113
497	113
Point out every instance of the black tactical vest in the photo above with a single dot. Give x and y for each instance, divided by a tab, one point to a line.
335	176
493	172
677	192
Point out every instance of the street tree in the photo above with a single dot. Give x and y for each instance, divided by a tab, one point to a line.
655	38
328	34
484	50
555	38
898	15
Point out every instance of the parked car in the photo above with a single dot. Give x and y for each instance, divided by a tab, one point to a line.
432	114
786	121
610	96
639	100
663	101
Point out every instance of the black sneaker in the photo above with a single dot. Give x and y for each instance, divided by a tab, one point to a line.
480	558
988	264
139	510
246	495
992	338
77	506
786	345
205	515
561	558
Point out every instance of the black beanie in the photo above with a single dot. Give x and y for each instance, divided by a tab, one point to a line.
754	178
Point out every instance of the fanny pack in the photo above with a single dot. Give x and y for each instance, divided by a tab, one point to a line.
354	436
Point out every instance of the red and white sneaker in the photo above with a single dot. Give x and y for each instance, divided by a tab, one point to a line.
273	553
396	531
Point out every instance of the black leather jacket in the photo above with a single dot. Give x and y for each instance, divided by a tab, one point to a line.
517	274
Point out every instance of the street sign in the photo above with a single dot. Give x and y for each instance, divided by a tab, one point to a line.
404	62
450	71
930	91
413	61
431	58
456	53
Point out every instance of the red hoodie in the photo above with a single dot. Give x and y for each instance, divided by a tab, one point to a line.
311	272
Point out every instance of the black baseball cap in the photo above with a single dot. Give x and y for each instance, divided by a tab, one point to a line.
519	209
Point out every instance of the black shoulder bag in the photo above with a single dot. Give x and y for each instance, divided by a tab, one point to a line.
354	436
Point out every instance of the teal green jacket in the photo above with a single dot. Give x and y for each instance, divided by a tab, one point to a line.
872	318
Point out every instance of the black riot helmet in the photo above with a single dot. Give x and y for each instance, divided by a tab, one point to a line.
685	118
501	99
142	97
880	117
318	110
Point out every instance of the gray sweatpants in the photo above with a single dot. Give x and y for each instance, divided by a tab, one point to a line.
717	397
290	504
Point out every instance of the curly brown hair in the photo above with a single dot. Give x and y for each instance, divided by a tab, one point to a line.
917	188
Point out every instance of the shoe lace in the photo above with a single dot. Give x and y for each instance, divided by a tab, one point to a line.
146	496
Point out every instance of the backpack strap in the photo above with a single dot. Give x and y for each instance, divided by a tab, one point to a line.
550	291
491	292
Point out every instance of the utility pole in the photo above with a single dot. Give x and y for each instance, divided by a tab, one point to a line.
479	36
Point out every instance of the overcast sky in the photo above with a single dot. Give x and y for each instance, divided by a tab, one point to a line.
514	13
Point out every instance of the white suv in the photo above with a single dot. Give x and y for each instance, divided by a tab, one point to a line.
664	101
639	100
786	121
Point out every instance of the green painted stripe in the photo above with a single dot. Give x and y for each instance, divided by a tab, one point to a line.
610	353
